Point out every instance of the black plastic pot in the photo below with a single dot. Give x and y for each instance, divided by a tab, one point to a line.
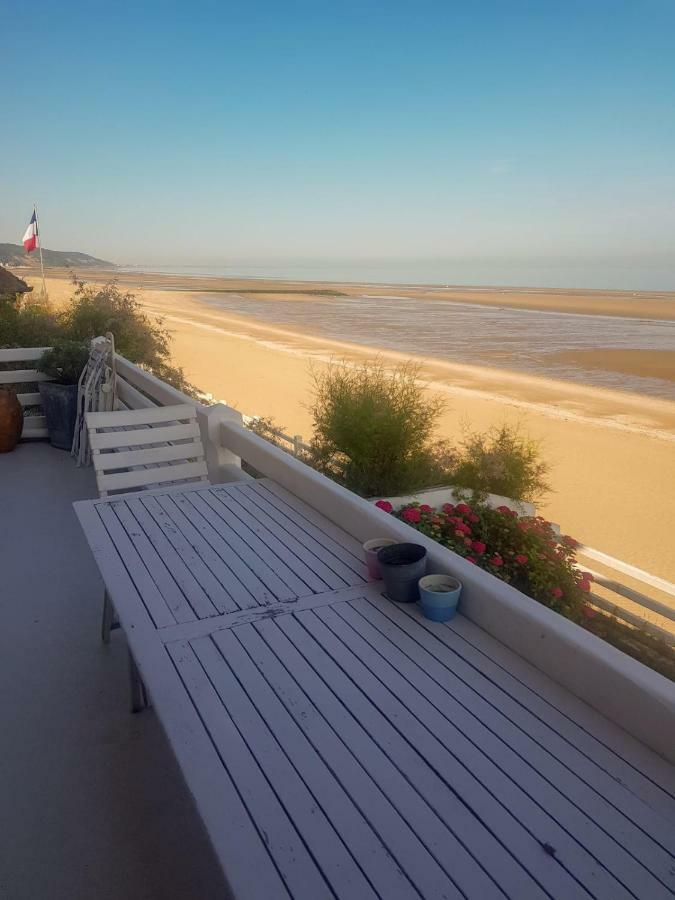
402	566
59	402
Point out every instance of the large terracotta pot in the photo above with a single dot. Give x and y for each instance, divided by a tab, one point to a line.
11	420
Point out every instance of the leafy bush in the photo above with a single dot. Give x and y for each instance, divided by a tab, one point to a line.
528	554
373	429
95	309
65	361
501	461
92	311
28	321
525	552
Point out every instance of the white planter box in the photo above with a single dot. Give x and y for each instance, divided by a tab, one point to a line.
438	496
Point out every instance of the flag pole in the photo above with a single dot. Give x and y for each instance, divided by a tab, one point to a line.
39	237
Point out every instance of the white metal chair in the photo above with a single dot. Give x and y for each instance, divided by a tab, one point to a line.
144	449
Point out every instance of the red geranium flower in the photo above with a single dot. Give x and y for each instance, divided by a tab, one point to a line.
412	514
496	560
478	547
521	559
557	592
470	559
448	508
385	505
425	507
463	508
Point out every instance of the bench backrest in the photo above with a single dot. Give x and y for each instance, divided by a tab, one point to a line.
139	448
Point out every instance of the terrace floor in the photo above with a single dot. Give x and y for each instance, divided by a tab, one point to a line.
93	804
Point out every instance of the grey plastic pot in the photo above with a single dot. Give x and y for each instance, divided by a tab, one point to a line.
59	402
402	566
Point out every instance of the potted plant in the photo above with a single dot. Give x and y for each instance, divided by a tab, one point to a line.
63	364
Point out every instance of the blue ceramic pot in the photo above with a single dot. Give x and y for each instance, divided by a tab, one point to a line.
439	596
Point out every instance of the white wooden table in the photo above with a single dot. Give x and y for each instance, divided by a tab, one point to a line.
339	745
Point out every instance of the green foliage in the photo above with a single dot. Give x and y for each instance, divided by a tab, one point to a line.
374	429
501	461
65	361
528	554
93	311
27	321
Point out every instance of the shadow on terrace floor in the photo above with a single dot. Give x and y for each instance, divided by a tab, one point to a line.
93	805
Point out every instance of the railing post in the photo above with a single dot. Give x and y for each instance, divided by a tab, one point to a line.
222	465
297	440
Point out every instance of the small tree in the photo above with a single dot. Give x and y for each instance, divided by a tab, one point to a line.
374	429
502	461
94	310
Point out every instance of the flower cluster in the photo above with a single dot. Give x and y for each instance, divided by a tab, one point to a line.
523	551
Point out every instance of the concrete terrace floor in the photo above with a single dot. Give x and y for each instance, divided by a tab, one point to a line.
92	804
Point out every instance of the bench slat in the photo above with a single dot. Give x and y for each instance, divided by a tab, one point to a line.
180	412
126	459
141	436
162	474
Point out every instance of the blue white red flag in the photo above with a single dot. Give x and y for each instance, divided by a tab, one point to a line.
31	241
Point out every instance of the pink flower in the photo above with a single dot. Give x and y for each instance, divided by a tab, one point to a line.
468	542
412	514
496	561
464	528
589	612
385	505
584	586
425	508
569	542
463	509
557	592
448	508
504	509
470	559
473	518
587	576
521	559
437	520
478	547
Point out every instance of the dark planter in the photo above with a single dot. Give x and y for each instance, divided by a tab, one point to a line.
11	420
59	402
402	566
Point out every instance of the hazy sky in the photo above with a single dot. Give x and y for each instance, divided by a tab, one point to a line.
201	132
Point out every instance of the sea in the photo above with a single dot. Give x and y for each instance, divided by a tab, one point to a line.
520	340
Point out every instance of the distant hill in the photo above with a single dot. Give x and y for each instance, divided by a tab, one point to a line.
15	255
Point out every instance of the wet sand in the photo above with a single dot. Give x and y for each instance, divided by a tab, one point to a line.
612	453
650	363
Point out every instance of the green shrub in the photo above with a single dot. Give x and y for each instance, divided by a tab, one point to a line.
527	553
28	321
501	461
65	361
93	311
374	429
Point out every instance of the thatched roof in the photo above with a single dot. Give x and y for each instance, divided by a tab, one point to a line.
10	284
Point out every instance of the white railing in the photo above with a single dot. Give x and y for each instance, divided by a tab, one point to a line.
296	445
645	604
34	425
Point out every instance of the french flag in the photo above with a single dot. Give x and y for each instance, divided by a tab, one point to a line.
31	240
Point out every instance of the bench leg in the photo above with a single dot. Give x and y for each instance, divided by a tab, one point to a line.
109	619
139	697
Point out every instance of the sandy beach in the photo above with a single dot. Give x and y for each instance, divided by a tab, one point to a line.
612	453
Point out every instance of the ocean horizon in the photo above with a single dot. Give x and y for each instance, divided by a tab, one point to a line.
590	276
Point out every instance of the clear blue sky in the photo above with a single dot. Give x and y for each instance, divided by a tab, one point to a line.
199	132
